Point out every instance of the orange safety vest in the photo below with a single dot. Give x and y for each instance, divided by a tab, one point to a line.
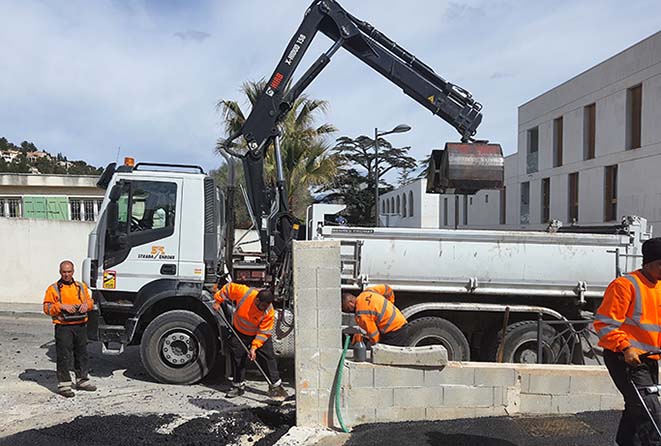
629	315
377	316
248	319
60	293
383	290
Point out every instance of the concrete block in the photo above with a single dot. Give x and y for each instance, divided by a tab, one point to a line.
307	357
305	279
535	404
433	355
450	375
370	397
549	384
306	321
329	358
305	299
330	338
418	396
511	399
330	297
328	276
385	414
449	413
307	378
611	402
311	418
575	403
385	376
327	379
492	376
593	384
525	382
307	400
467	396
328	317
360	374
359	415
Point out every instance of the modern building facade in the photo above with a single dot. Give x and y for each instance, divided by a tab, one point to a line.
589	152
50	197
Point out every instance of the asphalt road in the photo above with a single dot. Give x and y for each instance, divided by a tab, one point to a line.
129	407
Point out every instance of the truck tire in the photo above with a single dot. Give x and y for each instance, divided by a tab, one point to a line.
178	347
438	331
520	344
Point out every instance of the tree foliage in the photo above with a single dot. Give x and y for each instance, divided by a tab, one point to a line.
306	155
26	161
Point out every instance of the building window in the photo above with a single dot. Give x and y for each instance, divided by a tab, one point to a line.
546	200
404	213
557	142
610	193
10	207
486	198
634	116
398	209
75	209
525	203
410	203
503	205
383	206
83	209
573	197
445	212
392	204
533	150
465	210
589	131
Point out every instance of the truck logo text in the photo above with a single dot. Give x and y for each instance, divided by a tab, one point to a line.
157	253
294	50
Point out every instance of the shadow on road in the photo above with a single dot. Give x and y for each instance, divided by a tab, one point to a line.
442	439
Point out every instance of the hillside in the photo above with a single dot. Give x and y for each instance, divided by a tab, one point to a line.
27	158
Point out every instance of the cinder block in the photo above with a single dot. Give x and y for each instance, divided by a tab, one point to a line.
451	375
329	317
327	379
330	297
592	384
467	396
369	397
385	414
305	279
548	384
611	402
504	377
359	415
535	404
360	374
418	396
306	338
329	358
575	403
328	276
310	418
449	413
330	338
307	400
305	299
307	378
432	355
385	376
307	321
512	399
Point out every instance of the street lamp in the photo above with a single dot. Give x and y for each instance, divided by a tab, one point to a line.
401	128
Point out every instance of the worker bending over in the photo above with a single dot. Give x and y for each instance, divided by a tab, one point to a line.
253	321
383	290
380	319
628	323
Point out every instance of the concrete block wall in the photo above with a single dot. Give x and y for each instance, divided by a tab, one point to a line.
318	322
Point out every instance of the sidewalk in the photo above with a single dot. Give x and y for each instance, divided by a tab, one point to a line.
22	308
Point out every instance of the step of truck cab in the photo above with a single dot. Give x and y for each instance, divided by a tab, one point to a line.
113	338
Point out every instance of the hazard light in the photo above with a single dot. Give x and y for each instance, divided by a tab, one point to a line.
129	162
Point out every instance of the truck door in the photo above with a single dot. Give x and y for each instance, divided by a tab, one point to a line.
142	234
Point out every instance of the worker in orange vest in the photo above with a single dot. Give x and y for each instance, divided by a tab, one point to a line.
67	303
253	322
628	323
384	290
380	320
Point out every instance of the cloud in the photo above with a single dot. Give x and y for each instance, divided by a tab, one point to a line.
197	36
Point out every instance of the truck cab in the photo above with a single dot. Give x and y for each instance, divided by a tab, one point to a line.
152	262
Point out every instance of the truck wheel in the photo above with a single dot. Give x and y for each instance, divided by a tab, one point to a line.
178	347
438	331
520	344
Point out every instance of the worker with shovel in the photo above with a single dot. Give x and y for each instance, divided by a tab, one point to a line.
628	324
251	327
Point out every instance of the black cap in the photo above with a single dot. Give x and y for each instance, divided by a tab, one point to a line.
651	250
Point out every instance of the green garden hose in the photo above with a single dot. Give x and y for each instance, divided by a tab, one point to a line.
338	384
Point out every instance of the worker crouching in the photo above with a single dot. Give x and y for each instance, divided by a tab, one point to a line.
253	322
67	303
378	317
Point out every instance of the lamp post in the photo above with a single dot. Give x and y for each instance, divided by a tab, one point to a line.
401	128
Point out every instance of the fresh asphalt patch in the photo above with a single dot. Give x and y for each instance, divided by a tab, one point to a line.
254	426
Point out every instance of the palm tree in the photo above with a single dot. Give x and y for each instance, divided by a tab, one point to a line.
306	156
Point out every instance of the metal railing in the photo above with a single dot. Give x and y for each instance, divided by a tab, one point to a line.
567	345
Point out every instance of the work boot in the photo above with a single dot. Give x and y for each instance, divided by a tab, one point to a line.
278	392
85	384
65	390
235	391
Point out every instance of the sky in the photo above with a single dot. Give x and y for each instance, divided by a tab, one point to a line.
106	78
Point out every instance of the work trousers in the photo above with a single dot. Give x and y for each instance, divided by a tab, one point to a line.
265	358
397	337
636	428
71	350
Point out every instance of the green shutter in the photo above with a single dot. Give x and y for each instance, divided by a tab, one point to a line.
58	208
34	207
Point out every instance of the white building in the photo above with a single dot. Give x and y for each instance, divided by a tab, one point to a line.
589	151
